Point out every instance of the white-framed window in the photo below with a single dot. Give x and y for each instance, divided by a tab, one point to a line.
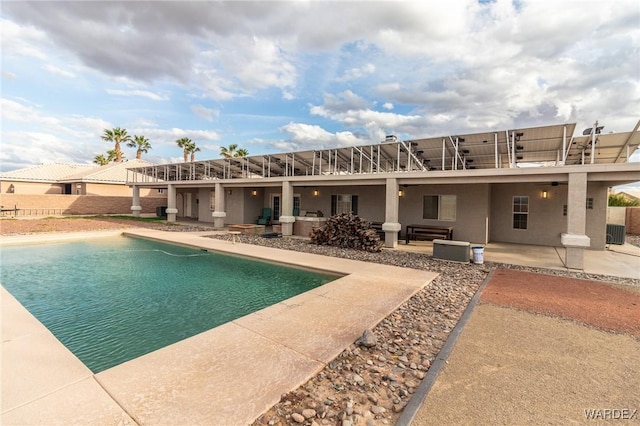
439	207
344	203
520	212
160	190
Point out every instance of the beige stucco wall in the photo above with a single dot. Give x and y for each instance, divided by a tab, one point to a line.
616	215
597	217
15	187
472	209
115	190
546	220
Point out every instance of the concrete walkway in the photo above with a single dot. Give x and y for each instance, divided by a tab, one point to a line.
617	260
227	375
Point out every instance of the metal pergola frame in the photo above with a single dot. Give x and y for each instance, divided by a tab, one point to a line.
536	146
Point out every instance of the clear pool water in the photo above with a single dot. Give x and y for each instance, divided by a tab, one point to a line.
110	300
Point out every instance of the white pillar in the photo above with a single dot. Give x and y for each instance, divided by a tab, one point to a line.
391	225
575	239
135	205
218	213
171	203
286	209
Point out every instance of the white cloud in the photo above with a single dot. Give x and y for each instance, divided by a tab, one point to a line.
59	71
142	93
205	113
357	73
412	68
23	40
353	111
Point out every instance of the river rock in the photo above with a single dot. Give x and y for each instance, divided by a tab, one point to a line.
368	339
297	417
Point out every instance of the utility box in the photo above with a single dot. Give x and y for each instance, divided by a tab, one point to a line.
456	251
616	234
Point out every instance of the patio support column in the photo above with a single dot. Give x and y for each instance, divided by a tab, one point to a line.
391	225
218	213
135	205
171	203
575	239
286	210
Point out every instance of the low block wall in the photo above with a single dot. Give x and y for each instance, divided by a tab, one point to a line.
632	220
54	204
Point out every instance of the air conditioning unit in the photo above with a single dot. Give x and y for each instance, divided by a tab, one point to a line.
615	234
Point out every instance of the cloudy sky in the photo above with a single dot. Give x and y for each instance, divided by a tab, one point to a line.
284	76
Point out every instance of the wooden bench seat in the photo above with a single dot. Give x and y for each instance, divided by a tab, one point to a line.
378	228
428	233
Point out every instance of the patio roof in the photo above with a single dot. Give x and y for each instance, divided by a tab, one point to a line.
523	147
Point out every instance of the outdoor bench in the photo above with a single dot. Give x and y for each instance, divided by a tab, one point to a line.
424	232
377	226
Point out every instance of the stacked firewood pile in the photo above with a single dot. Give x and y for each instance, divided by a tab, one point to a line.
347	231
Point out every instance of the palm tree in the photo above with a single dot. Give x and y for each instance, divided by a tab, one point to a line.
233	151
111	156
192	150
230	151
141	143
184	143
101	160
117	136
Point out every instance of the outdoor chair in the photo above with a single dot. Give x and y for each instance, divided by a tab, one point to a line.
265	217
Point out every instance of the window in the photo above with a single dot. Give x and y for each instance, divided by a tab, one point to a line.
439	207
520	212
344	203
160	190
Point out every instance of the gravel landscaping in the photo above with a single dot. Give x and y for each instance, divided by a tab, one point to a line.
371	385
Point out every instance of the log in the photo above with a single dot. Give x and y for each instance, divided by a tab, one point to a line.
347	231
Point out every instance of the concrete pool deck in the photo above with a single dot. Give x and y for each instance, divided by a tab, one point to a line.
228	375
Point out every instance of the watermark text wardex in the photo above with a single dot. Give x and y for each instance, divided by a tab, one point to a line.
611	413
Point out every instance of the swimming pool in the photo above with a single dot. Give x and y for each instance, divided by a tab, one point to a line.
113	299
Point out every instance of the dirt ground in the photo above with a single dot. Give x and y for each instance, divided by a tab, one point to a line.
542	349
30	226
607	307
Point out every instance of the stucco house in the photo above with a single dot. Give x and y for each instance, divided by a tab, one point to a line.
58	188
539	185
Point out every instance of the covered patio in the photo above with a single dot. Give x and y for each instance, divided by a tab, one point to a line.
616	260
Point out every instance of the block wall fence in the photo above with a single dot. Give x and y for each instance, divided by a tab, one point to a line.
54	204
632	220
